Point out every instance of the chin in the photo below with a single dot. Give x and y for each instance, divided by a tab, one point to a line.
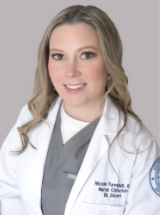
74	102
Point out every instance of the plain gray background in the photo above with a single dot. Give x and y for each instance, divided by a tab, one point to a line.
23	24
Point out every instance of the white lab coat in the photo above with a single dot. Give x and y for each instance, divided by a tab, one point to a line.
95	189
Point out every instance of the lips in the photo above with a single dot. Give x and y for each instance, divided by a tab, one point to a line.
74	91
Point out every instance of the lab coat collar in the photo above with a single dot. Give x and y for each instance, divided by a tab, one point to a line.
112	119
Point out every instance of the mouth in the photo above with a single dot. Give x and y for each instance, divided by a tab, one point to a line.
75	88
75	84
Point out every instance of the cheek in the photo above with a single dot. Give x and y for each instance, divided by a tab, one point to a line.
54	72
97	73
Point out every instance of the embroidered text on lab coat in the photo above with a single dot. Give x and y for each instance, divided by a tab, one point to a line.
111	189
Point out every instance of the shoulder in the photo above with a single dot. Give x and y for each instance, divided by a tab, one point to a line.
13	138
134	127
137	139
24	115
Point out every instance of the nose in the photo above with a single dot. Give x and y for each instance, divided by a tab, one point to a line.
72	69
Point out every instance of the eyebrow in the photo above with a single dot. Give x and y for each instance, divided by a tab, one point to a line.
85	47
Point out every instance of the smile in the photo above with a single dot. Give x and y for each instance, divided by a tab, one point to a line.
74	89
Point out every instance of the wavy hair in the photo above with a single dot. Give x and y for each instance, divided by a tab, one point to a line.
45	95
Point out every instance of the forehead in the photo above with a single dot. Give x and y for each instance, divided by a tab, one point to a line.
80	33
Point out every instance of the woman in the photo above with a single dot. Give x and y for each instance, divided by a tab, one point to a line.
77	146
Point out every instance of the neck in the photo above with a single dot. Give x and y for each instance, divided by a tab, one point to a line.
86	113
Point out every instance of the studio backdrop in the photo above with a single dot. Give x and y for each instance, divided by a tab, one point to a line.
23	24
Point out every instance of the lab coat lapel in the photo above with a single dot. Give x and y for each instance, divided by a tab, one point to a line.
46	132
108	125
35	175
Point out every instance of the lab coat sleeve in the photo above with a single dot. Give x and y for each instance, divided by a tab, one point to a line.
141	197
10	199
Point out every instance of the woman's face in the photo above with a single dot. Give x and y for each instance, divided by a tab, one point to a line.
70	64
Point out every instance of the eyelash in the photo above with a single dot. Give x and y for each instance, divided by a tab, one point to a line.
82	54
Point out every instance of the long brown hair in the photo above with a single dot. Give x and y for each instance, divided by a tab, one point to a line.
44	95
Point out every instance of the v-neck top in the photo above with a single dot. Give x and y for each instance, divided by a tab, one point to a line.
62	165
69	125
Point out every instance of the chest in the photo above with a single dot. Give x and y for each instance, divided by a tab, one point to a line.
106	190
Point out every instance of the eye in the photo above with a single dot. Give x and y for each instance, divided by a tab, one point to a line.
57	55
88	53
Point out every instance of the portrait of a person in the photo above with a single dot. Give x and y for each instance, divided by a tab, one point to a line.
78	147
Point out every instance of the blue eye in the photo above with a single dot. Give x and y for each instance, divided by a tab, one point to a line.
85	53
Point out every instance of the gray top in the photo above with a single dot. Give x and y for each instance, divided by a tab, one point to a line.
61	160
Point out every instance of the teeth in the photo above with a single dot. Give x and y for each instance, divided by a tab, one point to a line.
75	87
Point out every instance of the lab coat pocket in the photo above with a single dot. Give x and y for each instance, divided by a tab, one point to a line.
98	209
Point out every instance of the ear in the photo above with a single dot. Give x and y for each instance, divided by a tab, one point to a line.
109	77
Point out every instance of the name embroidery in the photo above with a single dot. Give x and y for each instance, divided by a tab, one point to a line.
112	190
